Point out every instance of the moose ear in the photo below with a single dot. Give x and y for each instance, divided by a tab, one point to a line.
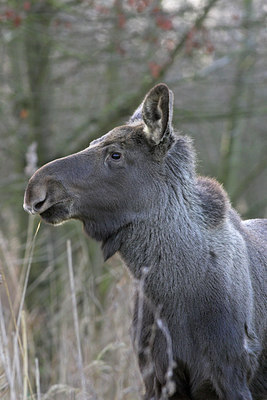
137	115
157	113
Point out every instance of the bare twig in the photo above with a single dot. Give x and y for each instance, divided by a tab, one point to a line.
169	387
140	309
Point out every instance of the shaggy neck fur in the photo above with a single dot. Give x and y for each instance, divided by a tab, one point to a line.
144	243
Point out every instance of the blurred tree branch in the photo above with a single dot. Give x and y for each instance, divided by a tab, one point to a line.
38	48
185	116
256	208
249	178
125	104
230	141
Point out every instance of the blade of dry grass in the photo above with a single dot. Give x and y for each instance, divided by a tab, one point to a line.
17	364
17	322
26	278
76	323
25	355
5	356
37	379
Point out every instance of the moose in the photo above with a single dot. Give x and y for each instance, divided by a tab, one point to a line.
199	320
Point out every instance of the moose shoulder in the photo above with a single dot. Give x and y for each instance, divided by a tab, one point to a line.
199	324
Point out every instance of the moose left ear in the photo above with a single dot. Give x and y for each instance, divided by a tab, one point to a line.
137	115
157	113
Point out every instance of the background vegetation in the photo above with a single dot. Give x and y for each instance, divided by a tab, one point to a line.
70	71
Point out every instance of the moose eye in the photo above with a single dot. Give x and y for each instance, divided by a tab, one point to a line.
115	155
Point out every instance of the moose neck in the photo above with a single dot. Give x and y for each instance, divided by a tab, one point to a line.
167	241
167	246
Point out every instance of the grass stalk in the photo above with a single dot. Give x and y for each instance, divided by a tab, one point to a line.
17	322
16	360
76	320
25	355
37	379
5	356
26	278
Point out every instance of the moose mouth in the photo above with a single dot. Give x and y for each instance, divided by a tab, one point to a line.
56	214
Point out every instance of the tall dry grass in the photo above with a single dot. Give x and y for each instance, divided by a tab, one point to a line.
64	331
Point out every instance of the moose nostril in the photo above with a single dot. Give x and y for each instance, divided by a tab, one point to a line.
38	205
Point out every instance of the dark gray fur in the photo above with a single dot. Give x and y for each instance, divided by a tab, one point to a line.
199	326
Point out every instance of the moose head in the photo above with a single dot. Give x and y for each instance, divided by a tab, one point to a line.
113	181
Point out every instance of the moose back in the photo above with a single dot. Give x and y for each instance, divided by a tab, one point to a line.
199	324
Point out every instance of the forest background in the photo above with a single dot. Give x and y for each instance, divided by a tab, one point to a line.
70	71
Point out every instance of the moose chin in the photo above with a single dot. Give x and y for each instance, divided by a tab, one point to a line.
202	321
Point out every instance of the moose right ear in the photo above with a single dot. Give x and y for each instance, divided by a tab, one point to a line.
157	113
